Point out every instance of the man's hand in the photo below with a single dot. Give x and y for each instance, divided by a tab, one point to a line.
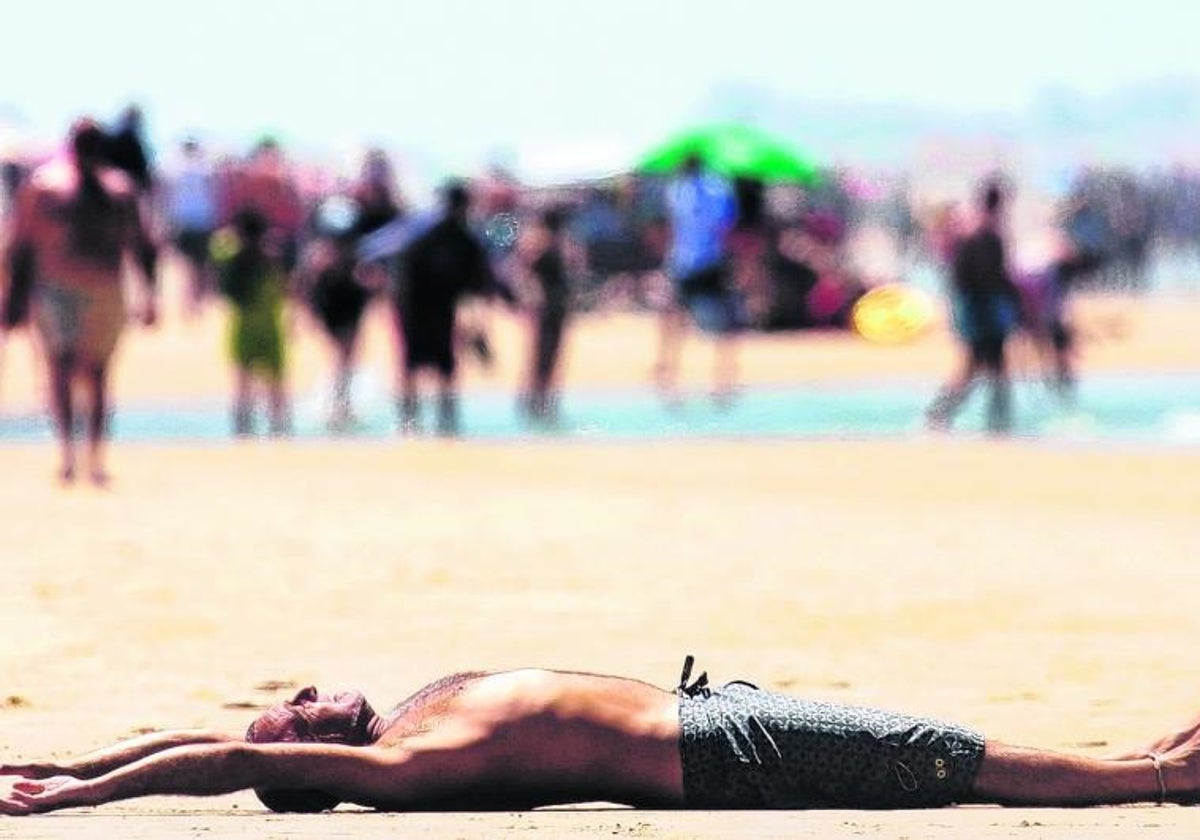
30	797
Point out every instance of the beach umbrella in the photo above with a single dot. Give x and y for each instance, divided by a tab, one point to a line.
734	150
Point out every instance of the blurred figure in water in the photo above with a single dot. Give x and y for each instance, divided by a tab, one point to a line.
338	292
987	308
76	221
1046	298
252	277
441	265
193	208
702	210
548	262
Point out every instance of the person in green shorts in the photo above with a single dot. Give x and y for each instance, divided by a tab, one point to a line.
252	278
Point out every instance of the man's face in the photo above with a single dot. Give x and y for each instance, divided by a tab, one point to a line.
310	716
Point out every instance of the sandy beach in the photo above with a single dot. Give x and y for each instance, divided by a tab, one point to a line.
1039	592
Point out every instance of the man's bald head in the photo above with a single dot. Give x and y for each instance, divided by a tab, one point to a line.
276	725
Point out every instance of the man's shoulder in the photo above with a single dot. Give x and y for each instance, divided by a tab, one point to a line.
117	183
53	177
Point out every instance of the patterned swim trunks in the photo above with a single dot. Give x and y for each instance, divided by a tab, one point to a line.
84	321
744	748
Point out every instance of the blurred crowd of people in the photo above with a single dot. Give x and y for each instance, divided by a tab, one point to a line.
260	232
720	255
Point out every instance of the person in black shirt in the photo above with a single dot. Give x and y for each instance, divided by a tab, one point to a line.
987	309
338	293
438	268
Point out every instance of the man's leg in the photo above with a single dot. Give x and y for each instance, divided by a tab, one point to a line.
242	408
341	416
97	377
448	406
949	400
281	415
194	296
725	368
1064	362
62	367
410	407
1021	776
671	325
548	333
400	344
1000	404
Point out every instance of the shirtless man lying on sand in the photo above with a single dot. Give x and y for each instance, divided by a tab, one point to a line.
520	739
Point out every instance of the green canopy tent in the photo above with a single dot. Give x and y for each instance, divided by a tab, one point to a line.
733	150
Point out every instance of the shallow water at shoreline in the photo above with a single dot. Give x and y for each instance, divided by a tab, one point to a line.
1162	409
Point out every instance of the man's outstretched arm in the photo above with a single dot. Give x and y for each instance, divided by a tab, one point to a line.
364	775
106	759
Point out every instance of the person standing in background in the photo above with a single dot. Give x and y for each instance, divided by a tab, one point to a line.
193	207
702	210
987	308
76	220
547	261
338	292
252	277
444	263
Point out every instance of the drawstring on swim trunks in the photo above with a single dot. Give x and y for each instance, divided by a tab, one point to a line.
699	687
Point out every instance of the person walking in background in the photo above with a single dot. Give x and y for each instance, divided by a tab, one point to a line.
75	221
442	264
547	263
987	307
702	210
253	279
338	294
192	210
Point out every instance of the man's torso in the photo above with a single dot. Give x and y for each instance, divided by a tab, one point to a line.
533	737
79	236
443	264
701	212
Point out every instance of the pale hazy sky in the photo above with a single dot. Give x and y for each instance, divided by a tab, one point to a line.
453	81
